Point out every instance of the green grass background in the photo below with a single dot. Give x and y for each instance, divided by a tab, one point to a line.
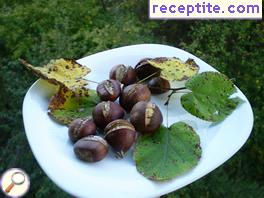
41	30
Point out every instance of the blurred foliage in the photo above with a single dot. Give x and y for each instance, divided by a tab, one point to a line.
40	30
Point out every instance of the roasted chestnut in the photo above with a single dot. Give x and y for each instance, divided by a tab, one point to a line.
144	69
106	112
91	148
146	117
125	75
80	128
132	94
121	135
158	85
109	90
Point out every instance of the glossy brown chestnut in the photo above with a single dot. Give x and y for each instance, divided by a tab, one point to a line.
109	90
120	135
106	112
125	75
144	69
91	148
158	85
132	94
146	117
80	128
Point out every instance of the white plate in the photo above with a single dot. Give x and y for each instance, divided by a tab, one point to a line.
119	178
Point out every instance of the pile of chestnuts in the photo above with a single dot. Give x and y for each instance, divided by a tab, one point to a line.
92	137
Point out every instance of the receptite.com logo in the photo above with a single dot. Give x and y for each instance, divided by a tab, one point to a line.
15	182
205	9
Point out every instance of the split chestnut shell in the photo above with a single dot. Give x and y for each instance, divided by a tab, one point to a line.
91	148
121	135
80	128
123	74
109	90
144	69
146	117
132	94
106	112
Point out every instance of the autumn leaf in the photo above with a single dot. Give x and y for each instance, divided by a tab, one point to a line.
66	106
174	68
63	72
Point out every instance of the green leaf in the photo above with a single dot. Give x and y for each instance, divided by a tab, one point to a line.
210	97
168	153
66	106
174	68
63	72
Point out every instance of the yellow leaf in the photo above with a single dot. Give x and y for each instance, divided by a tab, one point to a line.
174	68
63	72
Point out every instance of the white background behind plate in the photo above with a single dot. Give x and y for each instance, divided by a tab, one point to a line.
119	178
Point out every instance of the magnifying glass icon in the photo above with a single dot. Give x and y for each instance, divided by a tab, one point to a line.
17	178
